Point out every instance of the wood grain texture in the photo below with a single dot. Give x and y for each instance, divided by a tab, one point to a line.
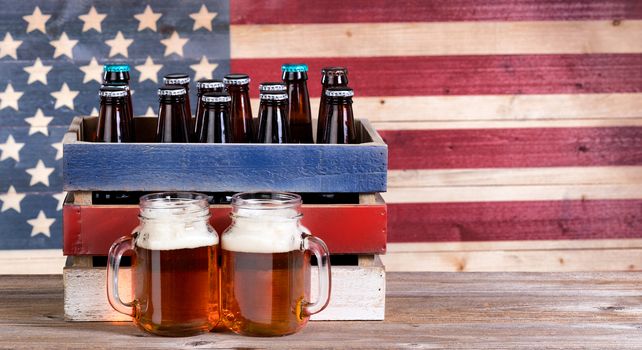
423	310
528	220
510	124
291	11
575	244
226	167
31	261
435	39
358	293
607	175
513	148
345	228
467	75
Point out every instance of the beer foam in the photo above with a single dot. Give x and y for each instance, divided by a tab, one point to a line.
263	231
170	229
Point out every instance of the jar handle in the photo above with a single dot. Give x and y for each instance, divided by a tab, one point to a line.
320	251
116	252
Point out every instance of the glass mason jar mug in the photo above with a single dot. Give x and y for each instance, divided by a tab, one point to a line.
265	266
174	269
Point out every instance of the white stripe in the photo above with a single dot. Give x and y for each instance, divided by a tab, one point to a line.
34	261
435	38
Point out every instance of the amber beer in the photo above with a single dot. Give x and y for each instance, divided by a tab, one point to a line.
175	275
295	76
273	305
265	266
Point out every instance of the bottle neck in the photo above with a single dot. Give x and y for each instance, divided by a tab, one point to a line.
235	89
294	76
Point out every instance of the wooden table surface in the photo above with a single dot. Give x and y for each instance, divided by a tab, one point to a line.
423	311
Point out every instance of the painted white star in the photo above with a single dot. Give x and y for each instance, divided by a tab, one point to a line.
119	45
147	19
174	44
10	97
204	69
58	147
93	71
41	224
64	46
64	97
203	18
40	173
92	20
37	72
149	70
39	123
36	21
61	199
94	111
11	200
9	47
11	149
150	112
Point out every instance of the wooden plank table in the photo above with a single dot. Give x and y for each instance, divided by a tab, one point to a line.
424	310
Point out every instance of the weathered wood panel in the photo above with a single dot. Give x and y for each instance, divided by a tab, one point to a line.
227	167
292	11
423	310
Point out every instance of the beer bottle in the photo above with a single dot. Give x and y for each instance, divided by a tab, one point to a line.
295	75
215	125
340	123
118	74
114	121
173	122
330	76
203	86
182	80
238	86
273	120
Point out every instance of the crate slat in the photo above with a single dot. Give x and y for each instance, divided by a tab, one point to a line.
358	293
346	228
357	168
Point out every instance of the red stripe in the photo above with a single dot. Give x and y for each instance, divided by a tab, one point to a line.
467	75
497	148
497	221
342	11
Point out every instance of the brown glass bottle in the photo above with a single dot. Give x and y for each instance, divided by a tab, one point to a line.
183	80
340	121
273	119
173	123
114	121
238	86
330	76
295	75
118	74
215	126
204	86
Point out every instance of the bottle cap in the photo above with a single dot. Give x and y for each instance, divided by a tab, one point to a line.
339	92
171	90
116	67
213	97
236	79
272	87
176	79
209	84
111	91
294	67
274	96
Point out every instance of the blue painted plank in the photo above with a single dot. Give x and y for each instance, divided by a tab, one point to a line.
226	167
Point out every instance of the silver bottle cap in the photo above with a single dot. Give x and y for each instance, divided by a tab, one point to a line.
274	97
214	99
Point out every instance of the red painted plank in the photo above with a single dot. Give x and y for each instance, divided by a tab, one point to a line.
467	75
498	221
346	229
509	148
341	11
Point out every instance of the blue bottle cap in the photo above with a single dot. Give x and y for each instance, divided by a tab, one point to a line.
116	67
294	67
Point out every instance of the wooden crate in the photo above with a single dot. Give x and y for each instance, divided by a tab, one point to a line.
90	166
360	228
358	291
